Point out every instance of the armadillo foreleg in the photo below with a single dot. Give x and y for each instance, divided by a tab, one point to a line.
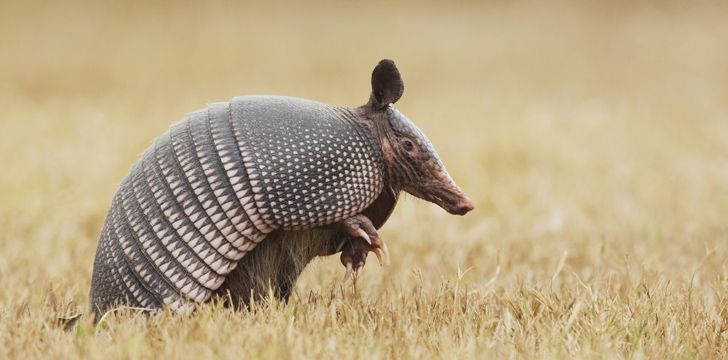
361	238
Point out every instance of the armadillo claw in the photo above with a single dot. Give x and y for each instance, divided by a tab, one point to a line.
347	274
360	238
385	250
379	247
363	235
378	252
350	271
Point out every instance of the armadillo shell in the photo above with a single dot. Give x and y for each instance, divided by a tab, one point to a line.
308	164
212	187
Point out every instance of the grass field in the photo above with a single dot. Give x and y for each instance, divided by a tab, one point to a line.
592	139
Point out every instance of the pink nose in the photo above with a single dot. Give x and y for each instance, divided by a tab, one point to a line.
462	207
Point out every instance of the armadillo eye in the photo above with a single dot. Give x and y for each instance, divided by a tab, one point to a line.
408	145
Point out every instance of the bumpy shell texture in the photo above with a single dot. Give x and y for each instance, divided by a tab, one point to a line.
217	183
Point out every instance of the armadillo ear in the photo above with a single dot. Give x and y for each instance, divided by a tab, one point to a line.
387	85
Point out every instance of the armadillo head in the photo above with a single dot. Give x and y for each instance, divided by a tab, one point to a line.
411	162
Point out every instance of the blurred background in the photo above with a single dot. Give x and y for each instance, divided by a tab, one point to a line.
596	134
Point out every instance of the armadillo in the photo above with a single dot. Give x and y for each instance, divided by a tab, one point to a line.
237	198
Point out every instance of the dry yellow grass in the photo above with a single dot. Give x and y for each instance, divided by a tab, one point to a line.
593	139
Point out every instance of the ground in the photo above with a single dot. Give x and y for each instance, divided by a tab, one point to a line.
593	140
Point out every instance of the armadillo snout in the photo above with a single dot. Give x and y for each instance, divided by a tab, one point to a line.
463	207
436	186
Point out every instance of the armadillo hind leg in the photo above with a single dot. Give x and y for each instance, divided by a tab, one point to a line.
274	266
